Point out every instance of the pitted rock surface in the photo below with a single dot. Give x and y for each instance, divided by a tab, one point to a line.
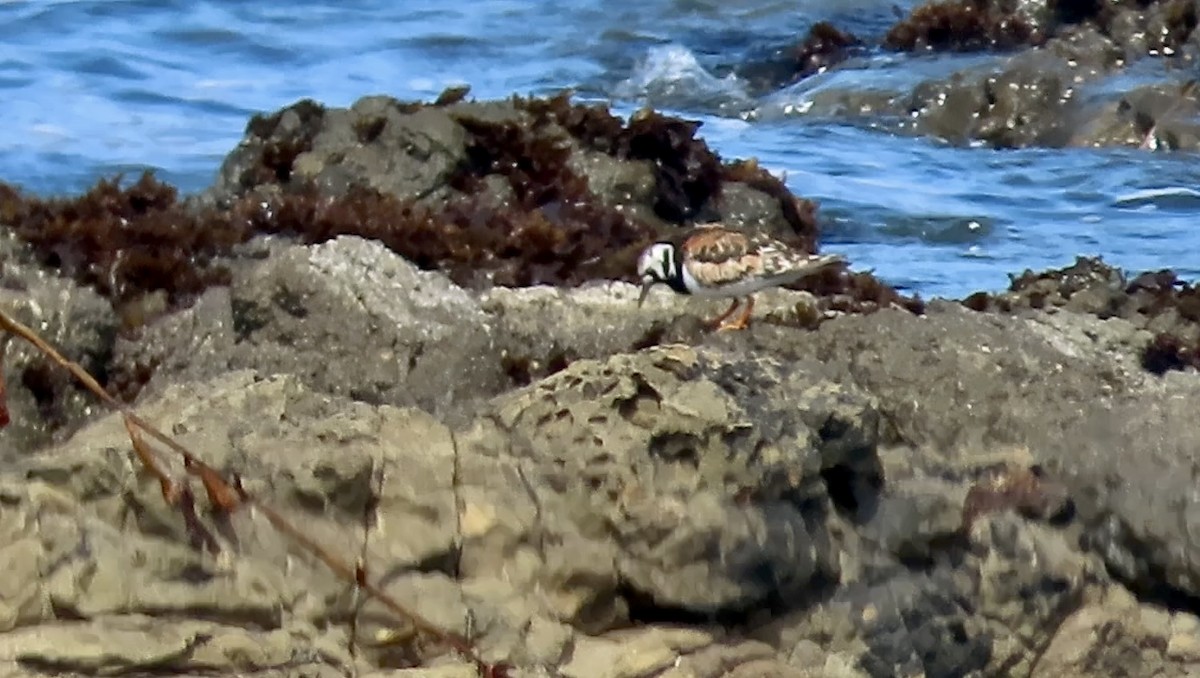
696	475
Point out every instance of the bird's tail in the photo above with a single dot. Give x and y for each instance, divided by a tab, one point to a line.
819	262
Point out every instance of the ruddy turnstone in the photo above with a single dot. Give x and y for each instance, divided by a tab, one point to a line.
714	261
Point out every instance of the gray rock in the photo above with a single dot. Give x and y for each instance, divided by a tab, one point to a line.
348	316
1154	117
686	472
378	143
42	399
811	483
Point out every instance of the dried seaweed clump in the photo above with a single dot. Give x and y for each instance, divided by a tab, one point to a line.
824	46
1153	25
858	293
962	25
287	134
687	173
124	241
1154	300
476	243
542	225
127	242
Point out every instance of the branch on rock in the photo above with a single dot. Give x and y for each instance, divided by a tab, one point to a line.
226	497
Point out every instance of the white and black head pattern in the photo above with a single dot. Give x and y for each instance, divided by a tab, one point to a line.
660	263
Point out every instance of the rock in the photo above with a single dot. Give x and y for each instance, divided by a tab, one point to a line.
855	486
632	654
407	337
1112	631
657	458
391	333
42	398
541	330
134	645
1153	117
394	148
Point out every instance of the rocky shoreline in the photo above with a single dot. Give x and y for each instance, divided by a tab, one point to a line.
1045	73
412	328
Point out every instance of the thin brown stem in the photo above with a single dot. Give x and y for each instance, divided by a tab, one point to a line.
226	497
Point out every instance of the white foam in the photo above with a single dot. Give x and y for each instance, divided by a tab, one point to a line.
671	76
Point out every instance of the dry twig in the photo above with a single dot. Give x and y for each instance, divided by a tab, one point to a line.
226	497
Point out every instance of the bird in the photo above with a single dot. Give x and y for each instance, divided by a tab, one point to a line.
715	261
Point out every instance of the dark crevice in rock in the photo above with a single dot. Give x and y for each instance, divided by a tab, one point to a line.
854	490
644	396
675	448
523	370
730	624
1147	580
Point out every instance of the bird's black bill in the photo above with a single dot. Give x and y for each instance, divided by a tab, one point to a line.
645	291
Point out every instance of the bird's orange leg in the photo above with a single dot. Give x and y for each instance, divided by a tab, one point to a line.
743	320
718	322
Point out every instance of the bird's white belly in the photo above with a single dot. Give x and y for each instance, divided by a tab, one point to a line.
740	288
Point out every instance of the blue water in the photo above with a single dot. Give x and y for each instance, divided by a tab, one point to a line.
92	88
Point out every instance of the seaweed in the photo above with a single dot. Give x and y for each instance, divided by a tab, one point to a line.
1158	301
961	25
824	46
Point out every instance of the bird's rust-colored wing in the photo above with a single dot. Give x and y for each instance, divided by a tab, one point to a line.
715	255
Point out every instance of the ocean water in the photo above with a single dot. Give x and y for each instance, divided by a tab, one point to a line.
92	88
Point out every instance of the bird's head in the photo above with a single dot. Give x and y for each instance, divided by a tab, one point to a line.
655	265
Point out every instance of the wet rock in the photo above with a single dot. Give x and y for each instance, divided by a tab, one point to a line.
963	25
1140	29
1037	97
1153	118
824	46
1025	103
